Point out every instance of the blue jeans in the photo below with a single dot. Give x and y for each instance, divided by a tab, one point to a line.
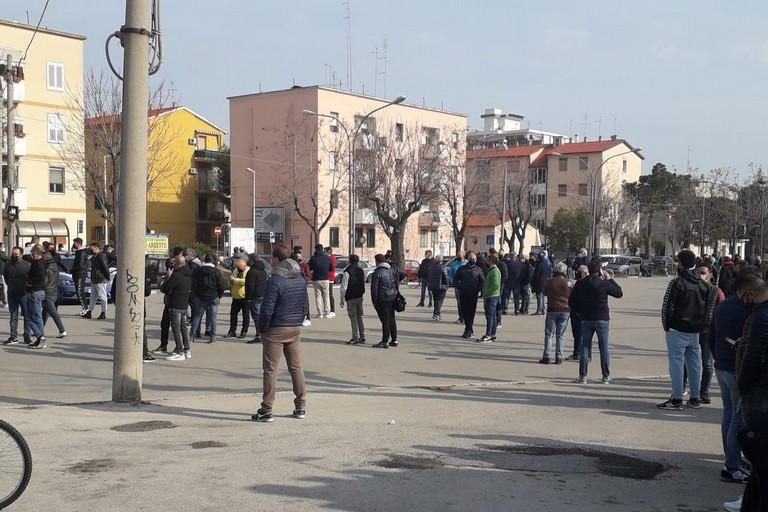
706	362
539	302
255	306
491	303
14	304
35	312
505	293
555	324
731	422
49	309
683	352
424	292
588	329
525	298
211	309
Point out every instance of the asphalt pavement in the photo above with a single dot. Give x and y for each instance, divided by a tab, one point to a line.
438	423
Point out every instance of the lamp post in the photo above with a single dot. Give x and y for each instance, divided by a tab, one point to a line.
351	141
592	186
253	208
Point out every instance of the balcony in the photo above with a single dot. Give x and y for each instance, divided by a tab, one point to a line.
208	187
206	155
214	218
365	216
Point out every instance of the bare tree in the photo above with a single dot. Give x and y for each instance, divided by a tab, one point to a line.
617	212
461	194
92	154
523	201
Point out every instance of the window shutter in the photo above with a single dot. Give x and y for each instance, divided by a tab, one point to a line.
60	77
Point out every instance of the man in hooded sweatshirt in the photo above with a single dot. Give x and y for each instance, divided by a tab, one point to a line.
177	287
207	289
255	280
589	298
283	309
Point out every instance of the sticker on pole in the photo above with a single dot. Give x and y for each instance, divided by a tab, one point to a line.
271	237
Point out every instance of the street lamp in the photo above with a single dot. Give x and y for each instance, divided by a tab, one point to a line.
592	186
351	141
253	208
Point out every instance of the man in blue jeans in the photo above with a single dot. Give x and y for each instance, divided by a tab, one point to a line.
727	327
207	288
589	299
426	263
15	275
557	290
36	289
688	306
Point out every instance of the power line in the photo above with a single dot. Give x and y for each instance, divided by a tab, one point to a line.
45	7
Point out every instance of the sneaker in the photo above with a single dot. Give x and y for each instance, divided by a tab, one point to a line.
148	359
211	340
544	360
694	403
87	314
83	312
558	360
580	380
176	356
498	326
733	506
572	357
300	414
330	315
102	316
320	315
704	396
12	340
307	322
393	343
231	334
383	344
361	341
485	338
438	318
736	477
606	380
27	339
353	341
62	334
459	321
256	339
160	350
187	354
673	404
263	416
467	335
242	335
38	344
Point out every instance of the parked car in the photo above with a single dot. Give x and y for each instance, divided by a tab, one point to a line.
341	264
605	259
663	265
625	266
411	268
67	289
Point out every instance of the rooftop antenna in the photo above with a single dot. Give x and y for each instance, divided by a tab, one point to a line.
614	127
375	53
384	58
585	123
599	127
348	17
570	130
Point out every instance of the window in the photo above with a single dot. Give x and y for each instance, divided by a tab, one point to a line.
483	170
334	122
454	172
423	235
538	176
562	164
332	160
399	167
562	190
582	189
624	167
55	76
334	235
435	238
56	180
399	132
513	166
583	163
55	128
202	142
538	200
370	240
358	237
455	140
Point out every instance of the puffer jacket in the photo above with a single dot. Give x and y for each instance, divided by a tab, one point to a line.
15	274
237	286
469	280
385	282
437	278
51	280
286	303
752	369
177	288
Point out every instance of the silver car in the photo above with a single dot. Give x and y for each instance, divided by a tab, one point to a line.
625	266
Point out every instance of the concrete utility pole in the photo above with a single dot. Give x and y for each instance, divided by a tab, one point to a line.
11	142
129	316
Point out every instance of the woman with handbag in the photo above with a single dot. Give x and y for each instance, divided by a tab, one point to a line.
385	290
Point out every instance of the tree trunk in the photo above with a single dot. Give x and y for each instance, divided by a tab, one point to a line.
648	228
397	241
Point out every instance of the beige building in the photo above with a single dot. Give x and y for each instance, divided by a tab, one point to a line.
301	162
50	73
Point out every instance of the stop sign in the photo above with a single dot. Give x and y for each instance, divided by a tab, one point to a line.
217	230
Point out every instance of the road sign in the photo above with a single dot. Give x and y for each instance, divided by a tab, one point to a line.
271	237
489	240
217	231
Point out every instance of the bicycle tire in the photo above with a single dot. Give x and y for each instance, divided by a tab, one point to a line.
13	445
413	283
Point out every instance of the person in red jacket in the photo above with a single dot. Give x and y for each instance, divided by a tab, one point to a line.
331	280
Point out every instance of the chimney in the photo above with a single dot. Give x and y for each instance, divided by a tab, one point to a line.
613	137
599	138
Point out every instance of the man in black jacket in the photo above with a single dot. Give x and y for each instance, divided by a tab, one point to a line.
426	263
469	282
352	292
438	286
99	280
36	290
539	279
177	287
15	274
688	306
255	280
752	380
208	289
79	273
727	279
321	266
165	320
385	285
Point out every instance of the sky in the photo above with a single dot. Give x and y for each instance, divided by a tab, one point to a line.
683	80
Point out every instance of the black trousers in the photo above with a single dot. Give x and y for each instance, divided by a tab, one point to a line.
239	305
438	296
468	309
386	311
330	294
165	326
576	331
193	308
754	445
79	280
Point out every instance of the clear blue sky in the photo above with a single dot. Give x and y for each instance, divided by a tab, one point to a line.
673	75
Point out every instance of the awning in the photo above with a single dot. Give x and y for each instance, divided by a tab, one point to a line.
49	230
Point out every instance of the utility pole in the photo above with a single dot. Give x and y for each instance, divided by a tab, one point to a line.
10	134
129	317
504	211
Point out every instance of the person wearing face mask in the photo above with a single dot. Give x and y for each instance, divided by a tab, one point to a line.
688	306
704	270
15	275
469	281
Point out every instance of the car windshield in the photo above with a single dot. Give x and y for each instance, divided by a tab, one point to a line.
607	259
621	261
67	262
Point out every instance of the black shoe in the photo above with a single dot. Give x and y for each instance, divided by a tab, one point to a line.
383	344
705	399
39	343
354	341
429	305
27	339
242	335
102	316
459	321
362	340
544	360
694	403
673	404
12	340
87	314
148	359
257	339
211	340
263	416
299	414
558	360
162	349
207	334
393	343
467	335
198	335
420	305
572	357
231	334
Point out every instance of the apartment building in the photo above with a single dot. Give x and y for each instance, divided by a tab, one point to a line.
292	151
48	82
502	130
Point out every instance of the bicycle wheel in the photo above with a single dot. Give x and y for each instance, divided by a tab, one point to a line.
15	464
413	283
